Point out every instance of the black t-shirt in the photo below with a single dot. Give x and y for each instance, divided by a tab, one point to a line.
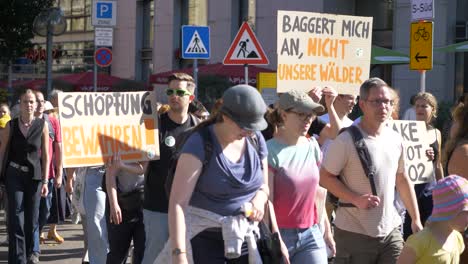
155	177
316	127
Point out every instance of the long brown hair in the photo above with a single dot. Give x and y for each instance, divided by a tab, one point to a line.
460	117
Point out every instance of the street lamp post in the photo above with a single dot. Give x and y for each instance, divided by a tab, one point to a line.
49	23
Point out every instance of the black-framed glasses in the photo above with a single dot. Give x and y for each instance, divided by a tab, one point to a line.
303	116
178	92
379	102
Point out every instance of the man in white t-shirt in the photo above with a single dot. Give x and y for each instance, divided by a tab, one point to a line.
369	232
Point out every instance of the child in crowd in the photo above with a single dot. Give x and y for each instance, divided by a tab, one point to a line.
441	240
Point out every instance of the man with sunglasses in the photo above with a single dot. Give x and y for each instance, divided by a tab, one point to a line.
367	226
171	124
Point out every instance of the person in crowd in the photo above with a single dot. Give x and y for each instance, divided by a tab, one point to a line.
60	201
395	115
55	173
410	113
441	240
4	115
53	97
456	148
198	109
4	119
294	162
26	142
235	175
368	232
124	184
319	128
426	111
94	218
343	105
180	93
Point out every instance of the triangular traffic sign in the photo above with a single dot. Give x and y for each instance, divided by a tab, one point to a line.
245	49
196	45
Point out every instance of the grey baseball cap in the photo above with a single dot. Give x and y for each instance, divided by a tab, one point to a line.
245	106
299	101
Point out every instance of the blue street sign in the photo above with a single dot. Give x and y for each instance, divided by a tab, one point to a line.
195	42
104	13
104	10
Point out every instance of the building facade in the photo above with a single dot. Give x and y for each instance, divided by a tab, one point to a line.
147	36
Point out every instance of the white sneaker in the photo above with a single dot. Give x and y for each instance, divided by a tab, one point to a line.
76	219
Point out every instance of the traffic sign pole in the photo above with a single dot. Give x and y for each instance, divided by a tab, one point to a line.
95	68
423	81
246	73
195	76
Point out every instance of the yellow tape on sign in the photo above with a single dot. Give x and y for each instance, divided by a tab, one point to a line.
421	45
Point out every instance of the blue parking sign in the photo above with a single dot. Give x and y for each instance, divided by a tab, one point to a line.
195	42
104	13
104	10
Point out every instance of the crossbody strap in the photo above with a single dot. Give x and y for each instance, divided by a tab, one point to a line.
365	158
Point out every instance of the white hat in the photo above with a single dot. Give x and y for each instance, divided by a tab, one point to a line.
48	106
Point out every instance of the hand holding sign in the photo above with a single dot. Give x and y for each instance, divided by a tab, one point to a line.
415	143
330	95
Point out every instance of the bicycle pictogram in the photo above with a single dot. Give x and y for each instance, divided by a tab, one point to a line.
421	32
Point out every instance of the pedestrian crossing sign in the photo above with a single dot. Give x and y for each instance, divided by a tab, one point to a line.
195	42
245	49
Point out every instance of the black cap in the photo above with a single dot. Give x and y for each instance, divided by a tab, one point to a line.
245	106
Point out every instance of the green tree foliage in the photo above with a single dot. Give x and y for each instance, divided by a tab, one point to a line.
16	23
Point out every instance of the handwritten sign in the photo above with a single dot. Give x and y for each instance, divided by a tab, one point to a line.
94	126
323	50
415	143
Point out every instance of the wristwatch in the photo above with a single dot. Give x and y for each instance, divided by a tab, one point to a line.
177	252
45	181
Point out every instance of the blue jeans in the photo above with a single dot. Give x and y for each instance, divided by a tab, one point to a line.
94	200
44	212
157	234
305	245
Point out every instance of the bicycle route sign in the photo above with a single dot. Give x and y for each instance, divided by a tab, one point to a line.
195	42
103	57
421	43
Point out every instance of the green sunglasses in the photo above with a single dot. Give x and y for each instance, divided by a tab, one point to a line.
178	92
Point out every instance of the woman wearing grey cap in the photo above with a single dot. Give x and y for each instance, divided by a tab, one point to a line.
232	177
293	170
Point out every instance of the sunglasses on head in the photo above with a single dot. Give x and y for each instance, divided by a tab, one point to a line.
178	92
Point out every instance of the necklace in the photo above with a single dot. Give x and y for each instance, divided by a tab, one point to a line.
26	124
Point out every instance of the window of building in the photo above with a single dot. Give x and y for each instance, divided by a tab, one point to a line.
78	14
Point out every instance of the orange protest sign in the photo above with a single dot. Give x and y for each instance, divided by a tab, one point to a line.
95	126
316	49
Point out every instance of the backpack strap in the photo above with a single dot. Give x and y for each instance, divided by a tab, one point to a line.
364	157
207	146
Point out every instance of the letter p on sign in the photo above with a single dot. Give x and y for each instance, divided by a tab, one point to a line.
104	10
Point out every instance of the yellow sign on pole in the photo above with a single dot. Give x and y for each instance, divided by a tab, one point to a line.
421	45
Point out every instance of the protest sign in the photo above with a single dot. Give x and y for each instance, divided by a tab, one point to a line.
415	143
95	126
323	50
